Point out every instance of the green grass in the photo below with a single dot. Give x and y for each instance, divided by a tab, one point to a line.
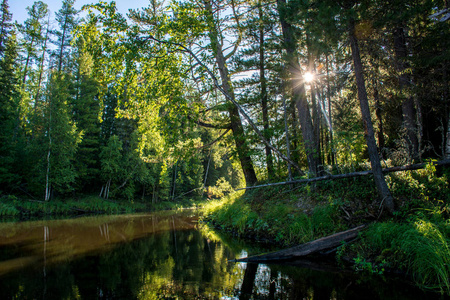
280	221
419	247
415	239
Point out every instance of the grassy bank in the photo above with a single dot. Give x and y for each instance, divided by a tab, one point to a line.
415	240
13	207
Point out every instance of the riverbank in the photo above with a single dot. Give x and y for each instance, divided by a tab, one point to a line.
413	241
12	207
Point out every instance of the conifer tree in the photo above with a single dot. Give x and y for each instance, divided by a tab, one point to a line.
9	112
216	45
298	90
33	35
61	137
256	55
87	114
67	21
5	25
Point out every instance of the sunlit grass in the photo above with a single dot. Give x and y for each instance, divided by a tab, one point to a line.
415	239
212	206
419	247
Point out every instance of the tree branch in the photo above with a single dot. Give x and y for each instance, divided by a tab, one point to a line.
239	107
207	125
238	41
215	141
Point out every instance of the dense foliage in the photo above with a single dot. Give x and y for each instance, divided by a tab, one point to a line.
184	99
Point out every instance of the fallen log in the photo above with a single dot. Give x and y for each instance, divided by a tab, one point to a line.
322	244
349	175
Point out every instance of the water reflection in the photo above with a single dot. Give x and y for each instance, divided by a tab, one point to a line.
160	256
120	257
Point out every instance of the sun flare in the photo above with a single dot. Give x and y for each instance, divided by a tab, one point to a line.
308	77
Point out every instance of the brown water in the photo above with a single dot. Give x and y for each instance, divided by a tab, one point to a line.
162	256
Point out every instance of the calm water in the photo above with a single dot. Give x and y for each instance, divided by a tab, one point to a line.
162	256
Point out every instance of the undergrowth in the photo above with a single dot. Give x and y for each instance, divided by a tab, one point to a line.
418	247
11	206
415	239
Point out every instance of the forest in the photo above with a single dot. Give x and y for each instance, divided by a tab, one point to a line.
197	98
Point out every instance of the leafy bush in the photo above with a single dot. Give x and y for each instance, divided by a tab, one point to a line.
8	210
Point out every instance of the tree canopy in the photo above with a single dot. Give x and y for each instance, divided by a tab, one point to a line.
195	98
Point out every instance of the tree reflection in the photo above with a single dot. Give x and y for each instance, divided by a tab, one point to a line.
173	259
249	281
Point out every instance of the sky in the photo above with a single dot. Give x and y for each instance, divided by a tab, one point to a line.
18	7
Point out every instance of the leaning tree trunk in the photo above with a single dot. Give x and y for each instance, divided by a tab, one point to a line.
235	119
380	182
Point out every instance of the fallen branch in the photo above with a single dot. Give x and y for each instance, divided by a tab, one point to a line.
349	175
328	242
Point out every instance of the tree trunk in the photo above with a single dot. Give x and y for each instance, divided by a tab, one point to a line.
325	243
25	70
445	94
316	118
298	92
288	143
447	145
47	176
408	111
235	119
330	120
248	282
174	181
61	49
380	133
41	67
380	182
262	76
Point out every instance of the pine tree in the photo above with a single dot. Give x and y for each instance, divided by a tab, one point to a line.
9	113
61	137
256	55
87	114
33	35
67	21
5	25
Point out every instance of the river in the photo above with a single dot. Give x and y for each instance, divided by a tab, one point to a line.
165	255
